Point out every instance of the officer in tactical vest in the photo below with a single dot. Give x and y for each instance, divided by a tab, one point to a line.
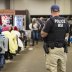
54	32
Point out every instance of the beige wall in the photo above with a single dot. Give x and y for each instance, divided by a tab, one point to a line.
64	5
40	7
71	6
2	4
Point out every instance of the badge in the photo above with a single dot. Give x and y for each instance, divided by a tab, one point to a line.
60	25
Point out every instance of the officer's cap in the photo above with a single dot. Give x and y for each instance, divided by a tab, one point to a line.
55	8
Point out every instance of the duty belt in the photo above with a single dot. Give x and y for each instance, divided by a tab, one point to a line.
55	44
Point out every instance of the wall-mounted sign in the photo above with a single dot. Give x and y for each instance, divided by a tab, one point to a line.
5	19
18	21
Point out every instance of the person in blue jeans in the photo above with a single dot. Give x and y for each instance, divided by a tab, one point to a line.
34	27
35	36
2	61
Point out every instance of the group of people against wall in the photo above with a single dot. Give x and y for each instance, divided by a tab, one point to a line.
12	42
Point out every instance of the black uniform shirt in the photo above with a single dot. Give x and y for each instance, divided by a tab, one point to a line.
48	28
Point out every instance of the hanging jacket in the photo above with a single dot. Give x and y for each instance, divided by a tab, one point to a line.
14	38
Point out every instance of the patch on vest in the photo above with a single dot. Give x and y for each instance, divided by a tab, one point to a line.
60	25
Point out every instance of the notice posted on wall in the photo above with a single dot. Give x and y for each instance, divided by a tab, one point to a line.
5	19
18	21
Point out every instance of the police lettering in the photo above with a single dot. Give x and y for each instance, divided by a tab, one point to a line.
60	21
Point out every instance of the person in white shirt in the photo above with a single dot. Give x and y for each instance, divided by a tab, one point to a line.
34	31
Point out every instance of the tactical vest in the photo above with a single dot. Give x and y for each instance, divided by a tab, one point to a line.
58	30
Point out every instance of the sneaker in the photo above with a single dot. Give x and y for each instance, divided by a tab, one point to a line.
30	48
8	61
17	54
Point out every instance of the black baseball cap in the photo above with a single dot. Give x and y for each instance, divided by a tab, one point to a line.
55	8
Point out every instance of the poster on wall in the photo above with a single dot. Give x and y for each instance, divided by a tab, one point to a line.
5	19
18	21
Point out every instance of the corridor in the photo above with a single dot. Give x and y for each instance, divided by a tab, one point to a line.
33	61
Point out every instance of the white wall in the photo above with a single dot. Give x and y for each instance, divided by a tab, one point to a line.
2	4
40	7
64	6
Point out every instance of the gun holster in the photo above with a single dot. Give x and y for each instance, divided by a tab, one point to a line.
46	48
51	45
65	47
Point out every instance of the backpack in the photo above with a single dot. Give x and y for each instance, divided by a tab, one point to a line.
23	35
